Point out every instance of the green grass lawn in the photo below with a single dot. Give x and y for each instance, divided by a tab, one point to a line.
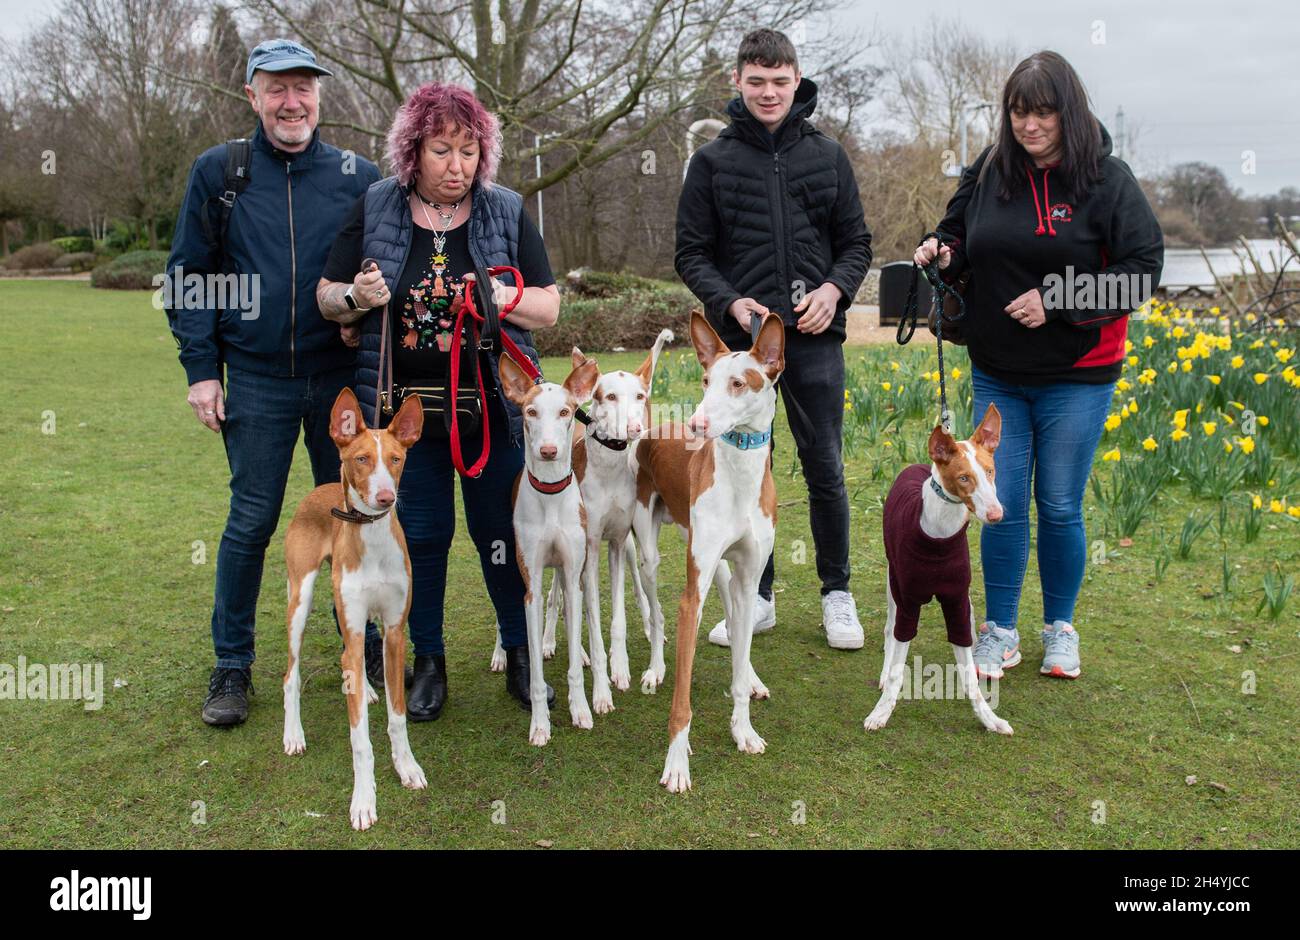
98	526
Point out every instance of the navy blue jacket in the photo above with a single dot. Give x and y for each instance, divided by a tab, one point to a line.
281	229
493	240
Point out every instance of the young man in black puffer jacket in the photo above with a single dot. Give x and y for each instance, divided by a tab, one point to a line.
770	220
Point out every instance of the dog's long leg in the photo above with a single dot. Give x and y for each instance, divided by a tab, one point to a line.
530	568
646	527
619	670
701	560
408	770
970	685
602	701
895	663
891	616
633	565
740	634
295	741
553	597
579	709
352	620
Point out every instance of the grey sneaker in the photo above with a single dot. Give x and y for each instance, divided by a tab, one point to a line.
996	649
1060	651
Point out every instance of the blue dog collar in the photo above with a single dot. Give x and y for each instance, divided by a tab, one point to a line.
747	440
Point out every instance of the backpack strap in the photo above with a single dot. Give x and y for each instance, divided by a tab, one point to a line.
239	157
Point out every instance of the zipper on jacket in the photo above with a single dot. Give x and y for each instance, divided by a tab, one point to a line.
778	230
293	271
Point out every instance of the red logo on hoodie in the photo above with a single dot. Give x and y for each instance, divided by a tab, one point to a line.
1061	212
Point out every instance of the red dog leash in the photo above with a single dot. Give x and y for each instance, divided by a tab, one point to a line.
507	345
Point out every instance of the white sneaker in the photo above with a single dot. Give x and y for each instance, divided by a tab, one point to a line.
840	620
764	620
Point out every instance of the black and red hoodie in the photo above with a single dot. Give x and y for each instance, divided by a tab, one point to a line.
1014	246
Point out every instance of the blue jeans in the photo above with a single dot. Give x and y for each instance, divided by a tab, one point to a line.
264	416
427	510
1049	437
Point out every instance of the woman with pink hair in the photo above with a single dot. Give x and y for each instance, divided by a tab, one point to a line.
437	219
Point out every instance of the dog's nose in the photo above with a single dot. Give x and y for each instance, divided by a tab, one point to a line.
995	514
549	451
699	423
633	428
385	498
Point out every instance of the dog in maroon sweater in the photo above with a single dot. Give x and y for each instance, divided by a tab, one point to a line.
927	556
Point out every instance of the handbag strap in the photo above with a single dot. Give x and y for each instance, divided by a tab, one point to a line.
384	373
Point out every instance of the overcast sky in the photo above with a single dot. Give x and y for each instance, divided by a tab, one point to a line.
1198	79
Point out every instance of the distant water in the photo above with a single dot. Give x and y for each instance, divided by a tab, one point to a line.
1184	267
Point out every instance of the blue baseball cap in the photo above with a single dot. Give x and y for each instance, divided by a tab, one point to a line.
281	55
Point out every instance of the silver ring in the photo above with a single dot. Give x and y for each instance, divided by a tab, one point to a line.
209	412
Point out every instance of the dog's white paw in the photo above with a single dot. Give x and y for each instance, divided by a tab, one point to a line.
878	718
619	671
677	766
756	687
371	695
602	700
999	726
295	742
746	738
652	678
498	663
539	732
409	772
363	810
548	647
580	712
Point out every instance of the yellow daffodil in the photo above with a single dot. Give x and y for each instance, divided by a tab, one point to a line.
1293	512
1247	444
1150	444
1275	505
1173	367
1284	355
1110	455
1209	427
956	374
1148	341
1263	421
1227	447
1179	434
1187	365
1256	501
1214	379
1132	360
1261	378
1112	422
886	386
1180	418
1237	362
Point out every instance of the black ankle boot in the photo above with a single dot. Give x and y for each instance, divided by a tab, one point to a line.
519	678
428	689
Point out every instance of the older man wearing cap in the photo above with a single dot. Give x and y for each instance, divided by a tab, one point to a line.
269	220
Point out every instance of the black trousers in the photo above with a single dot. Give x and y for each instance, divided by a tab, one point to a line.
814	377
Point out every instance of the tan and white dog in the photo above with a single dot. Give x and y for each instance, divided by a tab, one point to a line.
713	477
927	557
551	532
352	525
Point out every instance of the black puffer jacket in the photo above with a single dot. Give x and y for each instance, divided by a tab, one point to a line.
771	217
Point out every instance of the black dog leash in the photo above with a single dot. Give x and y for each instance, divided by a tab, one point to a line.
907	322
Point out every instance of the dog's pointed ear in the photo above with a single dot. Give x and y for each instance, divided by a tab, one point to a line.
581	382
942	446
577	357
346	423
708	345
769	347
408	423
514	381
989	434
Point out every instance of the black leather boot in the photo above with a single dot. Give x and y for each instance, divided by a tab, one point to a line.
428	689
518	679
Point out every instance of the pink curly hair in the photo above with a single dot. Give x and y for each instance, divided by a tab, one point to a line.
432	108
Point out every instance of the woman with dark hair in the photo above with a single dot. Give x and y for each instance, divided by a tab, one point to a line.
436	221
1035	222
